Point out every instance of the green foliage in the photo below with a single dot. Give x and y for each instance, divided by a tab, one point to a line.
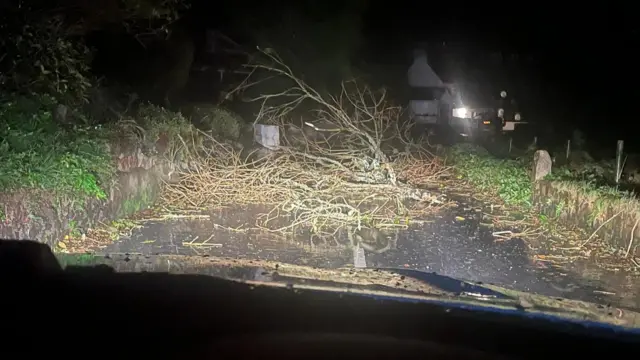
39	55
592	178
44	63
43	46
583	174
506	178
219	121
36	152
510	179
595	173
158	121
168	131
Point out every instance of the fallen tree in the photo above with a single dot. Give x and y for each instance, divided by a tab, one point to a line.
349	166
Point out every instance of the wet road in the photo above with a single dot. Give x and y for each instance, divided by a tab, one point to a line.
453	243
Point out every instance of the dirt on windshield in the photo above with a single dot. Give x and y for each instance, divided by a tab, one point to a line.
408	285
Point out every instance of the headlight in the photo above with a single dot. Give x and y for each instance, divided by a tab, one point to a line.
500	112
461	112
517	117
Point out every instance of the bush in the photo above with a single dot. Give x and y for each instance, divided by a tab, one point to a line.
167	132
43	45
37	152
157	120
39	55
220	122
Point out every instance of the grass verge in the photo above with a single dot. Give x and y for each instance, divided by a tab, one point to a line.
510	178
576	197
506	178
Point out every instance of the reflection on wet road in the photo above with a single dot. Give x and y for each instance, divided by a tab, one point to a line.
201	237
447	245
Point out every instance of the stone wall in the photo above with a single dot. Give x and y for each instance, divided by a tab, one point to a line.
45	217
574	206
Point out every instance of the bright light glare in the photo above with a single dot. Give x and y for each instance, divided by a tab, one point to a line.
461	113
517	117
500	112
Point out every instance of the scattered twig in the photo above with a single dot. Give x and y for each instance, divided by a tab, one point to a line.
603	292
598	229
205	243
631	238
171	216
329	174
498	233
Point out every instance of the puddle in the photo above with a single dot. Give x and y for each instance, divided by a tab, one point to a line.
203	237
453	243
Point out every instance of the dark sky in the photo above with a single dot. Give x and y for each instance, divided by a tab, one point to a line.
566	40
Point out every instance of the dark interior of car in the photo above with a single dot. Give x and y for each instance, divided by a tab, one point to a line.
97	311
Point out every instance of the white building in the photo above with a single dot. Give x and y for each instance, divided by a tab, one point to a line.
431	107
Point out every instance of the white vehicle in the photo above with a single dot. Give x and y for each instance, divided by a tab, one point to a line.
486	117
436	105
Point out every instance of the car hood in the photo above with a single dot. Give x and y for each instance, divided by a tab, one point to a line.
398	284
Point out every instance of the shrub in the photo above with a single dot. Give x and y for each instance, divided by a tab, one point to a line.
39	55
167	132
219	121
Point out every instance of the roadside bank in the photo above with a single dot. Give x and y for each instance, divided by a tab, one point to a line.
61	180
569	198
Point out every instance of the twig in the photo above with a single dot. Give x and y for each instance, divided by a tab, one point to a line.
201	244
631	238
599	227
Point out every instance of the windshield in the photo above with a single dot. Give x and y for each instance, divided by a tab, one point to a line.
199	145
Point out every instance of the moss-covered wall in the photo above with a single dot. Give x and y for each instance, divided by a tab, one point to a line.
47	217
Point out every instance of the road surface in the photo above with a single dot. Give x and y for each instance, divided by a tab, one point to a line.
452	243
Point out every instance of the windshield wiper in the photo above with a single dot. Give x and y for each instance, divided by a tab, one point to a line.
395	283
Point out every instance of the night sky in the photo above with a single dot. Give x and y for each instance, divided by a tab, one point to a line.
577	62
